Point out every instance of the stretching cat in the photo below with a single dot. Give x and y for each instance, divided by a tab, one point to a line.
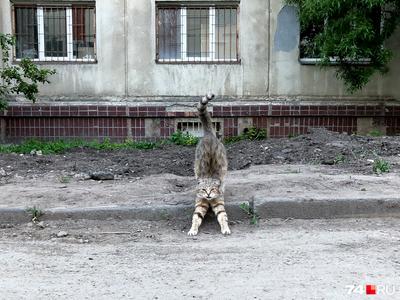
210	168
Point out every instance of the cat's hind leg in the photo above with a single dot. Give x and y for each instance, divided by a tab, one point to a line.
218	207
198	216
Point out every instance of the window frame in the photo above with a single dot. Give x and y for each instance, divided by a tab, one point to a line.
41	38
211	58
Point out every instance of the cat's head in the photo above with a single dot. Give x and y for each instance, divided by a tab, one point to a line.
209	188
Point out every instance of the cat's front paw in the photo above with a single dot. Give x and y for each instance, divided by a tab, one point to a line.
192	232
225	231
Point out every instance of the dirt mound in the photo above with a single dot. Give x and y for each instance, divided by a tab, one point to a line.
355	153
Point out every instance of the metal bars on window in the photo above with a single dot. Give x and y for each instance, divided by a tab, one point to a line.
195	128
197	34
55	33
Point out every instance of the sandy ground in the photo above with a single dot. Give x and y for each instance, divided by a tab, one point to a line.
278	259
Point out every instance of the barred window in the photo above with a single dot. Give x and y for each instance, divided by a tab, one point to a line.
55	33
197	34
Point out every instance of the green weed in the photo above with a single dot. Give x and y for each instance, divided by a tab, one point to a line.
61	146
381	166
375	133
248	207
251	134
65	179
254	133
338	159
183	138
35	213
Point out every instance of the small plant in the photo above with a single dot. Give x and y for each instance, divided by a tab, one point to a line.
248	207
233	139
375	133
251	134
35	213
254	133
65	179
381	166
338	159
184	138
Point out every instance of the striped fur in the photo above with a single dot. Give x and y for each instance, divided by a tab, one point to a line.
210	166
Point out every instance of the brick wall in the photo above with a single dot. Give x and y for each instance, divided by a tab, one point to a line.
119	122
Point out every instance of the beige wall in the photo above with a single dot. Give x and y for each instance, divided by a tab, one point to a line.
126	61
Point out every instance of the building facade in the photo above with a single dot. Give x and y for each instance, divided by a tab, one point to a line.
134	69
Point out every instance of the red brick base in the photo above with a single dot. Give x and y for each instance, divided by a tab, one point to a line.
119	122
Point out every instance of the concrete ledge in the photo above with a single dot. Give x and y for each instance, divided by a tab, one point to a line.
265	208
327	208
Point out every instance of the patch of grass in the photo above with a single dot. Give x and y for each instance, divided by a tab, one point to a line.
251	134
183	138
254	133
61	146
65	179
381	166
338	159
375	133
128	144
233	139
35	213
248	207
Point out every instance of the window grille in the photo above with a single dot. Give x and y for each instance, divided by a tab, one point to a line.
197	34
55	33
194	127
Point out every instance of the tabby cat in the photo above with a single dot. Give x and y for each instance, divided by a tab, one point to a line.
210	168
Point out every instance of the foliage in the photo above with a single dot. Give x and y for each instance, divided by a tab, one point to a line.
183	138
19	79
249	209
254	133
350	32
375	133
251	134
65	179
339	159
35	213
381	166
61	146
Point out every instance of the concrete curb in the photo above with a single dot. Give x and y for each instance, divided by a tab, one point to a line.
265	208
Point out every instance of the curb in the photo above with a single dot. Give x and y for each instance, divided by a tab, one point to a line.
265	208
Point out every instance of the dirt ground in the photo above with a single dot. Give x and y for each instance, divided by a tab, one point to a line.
312	166
278	259
321	147
271	182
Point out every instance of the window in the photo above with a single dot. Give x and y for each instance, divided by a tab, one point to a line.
194	127
310	53
55	33
197	34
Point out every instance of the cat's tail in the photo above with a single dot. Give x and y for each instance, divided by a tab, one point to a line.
204	115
